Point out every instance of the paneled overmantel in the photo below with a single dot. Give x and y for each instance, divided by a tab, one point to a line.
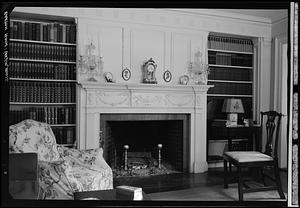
97	98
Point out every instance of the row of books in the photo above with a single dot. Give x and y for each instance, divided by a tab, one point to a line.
41	92
50	115
229	59
230	88
64	135
59	115
223	73
230	44
37	51
29	70
50	32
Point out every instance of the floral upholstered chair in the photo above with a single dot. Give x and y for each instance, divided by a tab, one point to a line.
61	170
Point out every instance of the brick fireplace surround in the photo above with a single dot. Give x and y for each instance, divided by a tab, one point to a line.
112	98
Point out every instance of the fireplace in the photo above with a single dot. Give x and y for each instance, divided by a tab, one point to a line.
130	113
142	133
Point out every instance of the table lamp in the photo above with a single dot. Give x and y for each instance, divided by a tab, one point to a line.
232	107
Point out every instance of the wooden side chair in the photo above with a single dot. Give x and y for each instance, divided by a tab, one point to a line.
257	159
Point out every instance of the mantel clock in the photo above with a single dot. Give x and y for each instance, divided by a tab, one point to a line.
149	69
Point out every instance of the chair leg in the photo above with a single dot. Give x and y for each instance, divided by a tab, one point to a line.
225	174
240	183
262	176
278	181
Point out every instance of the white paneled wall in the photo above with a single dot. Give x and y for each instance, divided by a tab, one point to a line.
127	46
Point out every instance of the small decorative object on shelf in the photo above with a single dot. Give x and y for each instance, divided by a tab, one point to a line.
167	76
126	74
149	72
108	77
198	70
126	147
90	63
183	80
159	155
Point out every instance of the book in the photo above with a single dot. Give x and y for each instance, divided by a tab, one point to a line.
129	193
219	122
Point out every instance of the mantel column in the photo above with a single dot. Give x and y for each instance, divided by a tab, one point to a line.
200	142
92	130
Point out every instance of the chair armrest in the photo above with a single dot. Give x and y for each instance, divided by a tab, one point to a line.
90	158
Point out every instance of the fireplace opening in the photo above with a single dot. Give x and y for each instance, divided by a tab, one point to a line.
150	146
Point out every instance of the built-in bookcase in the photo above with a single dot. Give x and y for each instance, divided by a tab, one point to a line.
231	66
42	73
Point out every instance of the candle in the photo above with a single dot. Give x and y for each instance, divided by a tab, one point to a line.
159	146
126	146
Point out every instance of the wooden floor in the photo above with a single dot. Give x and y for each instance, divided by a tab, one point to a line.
179	181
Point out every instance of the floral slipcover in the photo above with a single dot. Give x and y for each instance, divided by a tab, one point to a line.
62	170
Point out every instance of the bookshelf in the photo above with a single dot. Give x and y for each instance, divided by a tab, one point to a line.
230	60
42	73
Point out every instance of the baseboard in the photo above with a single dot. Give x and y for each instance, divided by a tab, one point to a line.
216	164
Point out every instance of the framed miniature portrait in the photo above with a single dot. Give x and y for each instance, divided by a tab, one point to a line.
126	74
167	76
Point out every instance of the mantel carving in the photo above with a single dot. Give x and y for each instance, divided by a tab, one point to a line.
117	95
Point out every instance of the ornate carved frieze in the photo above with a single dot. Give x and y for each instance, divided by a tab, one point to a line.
145	96
147	99
108	98
180	100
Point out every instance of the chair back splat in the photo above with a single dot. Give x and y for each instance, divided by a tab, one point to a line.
272	126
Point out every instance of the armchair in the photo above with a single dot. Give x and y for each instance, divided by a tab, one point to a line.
62	171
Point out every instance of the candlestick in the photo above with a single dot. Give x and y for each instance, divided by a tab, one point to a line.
126	147
159	155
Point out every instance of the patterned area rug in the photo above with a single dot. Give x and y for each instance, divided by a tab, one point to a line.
214	193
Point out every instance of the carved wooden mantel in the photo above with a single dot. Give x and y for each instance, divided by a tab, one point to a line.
98	98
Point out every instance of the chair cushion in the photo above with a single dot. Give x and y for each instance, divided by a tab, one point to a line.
248	156
32	136
90	158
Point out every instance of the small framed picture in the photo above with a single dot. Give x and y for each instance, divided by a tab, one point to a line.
126	74
108	76
167	76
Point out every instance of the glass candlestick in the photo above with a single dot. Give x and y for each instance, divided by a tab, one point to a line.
126	147
159	155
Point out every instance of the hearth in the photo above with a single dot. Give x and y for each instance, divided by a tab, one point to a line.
153	143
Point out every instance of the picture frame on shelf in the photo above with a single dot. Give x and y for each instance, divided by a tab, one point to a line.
126	74
167	76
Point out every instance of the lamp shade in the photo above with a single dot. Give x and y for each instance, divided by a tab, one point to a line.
233	105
